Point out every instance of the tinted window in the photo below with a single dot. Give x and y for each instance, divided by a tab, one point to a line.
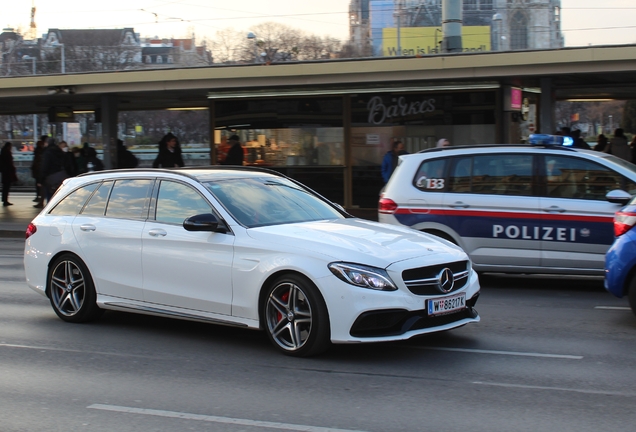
430	176
459	177
177	202
502	174
97	204
72	204
568	177
129	198
494	174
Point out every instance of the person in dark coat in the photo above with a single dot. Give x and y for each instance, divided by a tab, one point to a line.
125	158
169	153
93	163
38	151
8	172
57	164
235	153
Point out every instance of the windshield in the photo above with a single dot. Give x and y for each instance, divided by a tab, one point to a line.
270	201
625	164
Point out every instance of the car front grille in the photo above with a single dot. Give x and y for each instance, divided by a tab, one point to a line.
426	280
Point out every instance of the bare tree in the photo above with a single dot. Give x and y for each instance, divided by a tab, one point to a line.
227	45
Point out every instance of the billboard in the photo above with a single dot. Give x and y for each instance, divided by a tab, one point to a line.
426	40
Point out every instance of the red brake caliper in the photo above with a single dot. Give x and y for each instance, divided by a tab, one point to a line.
284	298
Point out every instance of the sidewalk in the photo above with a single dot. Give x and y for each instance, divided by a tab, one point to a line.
15	219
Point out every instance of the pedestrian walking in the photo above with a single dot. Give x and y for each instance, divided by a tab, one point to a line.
390	160
169	155
618	146
125	158
38	151
235	154
9	174
57	165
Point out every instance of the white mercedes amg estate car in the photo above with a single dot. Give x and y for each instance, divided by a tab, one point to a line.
243	247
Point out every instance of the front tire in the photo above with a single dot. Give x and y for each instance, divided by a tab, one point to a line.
71	290
295	317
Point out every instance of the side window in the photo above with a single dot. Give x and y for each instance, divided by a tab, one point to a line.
73	203
129	199
502	174
568	177
97	204
177	202
430	176
460	175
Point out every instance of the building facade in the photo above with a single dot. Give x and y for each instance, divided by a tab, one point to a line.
417	25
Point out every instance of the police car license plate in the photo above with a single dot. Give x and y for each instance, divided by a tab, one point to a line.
447	304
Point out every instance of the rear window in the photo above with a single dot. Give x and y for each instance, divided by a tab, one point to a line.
73	202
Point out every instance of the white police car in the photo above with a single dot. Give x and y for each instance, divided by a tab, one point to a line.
541	208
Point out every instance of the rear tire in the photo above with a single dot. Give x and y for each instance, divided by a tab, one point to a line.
295	317
71	290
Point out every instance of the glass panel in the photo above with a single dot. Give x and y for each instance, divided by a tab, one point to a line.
582	179
430	176
269	201
502	175
177	202
287	147
129	199
97	204
460	175
72	204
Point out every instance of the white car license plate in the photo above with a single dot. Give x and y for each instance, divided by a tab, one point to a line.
447	304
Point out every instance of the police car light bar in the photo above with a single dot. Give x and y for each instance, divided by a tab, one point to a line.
550	140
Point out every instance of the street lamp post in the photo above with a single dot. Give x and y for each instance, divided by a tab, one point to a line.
610	124
35	117
251	36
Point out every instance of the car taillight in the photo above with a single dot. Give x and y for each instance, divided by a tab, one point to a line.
31	229
387	206
623	222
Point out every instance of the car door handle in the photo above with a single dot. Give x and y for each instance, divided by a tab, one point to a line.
157	233
87	227
554	209
458	204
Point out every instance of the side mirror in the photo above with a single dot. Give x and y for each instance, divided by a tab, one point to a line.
203	222
618	196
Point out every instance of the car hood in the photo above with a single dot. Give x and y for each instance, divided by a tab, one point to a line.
358	240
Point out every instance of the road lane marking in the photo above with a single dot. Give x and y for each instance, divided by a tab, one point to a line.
215	419
101	353
509	353
573	390
612	307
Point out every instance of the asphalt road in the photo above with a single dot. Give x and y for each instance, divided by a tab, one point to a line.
550	354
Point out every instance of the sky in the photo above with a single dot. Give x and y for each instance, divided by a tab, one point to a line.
584	22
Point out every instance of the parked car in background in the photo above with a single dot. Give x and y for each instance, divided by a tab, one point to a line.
245	247
542	208
620	261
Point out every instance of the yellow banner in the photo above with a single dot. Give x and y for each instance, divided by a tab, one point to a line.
426	40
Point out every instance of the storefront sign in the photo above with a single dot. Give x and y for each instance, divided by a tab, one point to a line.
379	112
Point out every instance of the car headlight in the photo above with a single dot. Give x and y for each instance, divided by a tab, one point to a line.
363	276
